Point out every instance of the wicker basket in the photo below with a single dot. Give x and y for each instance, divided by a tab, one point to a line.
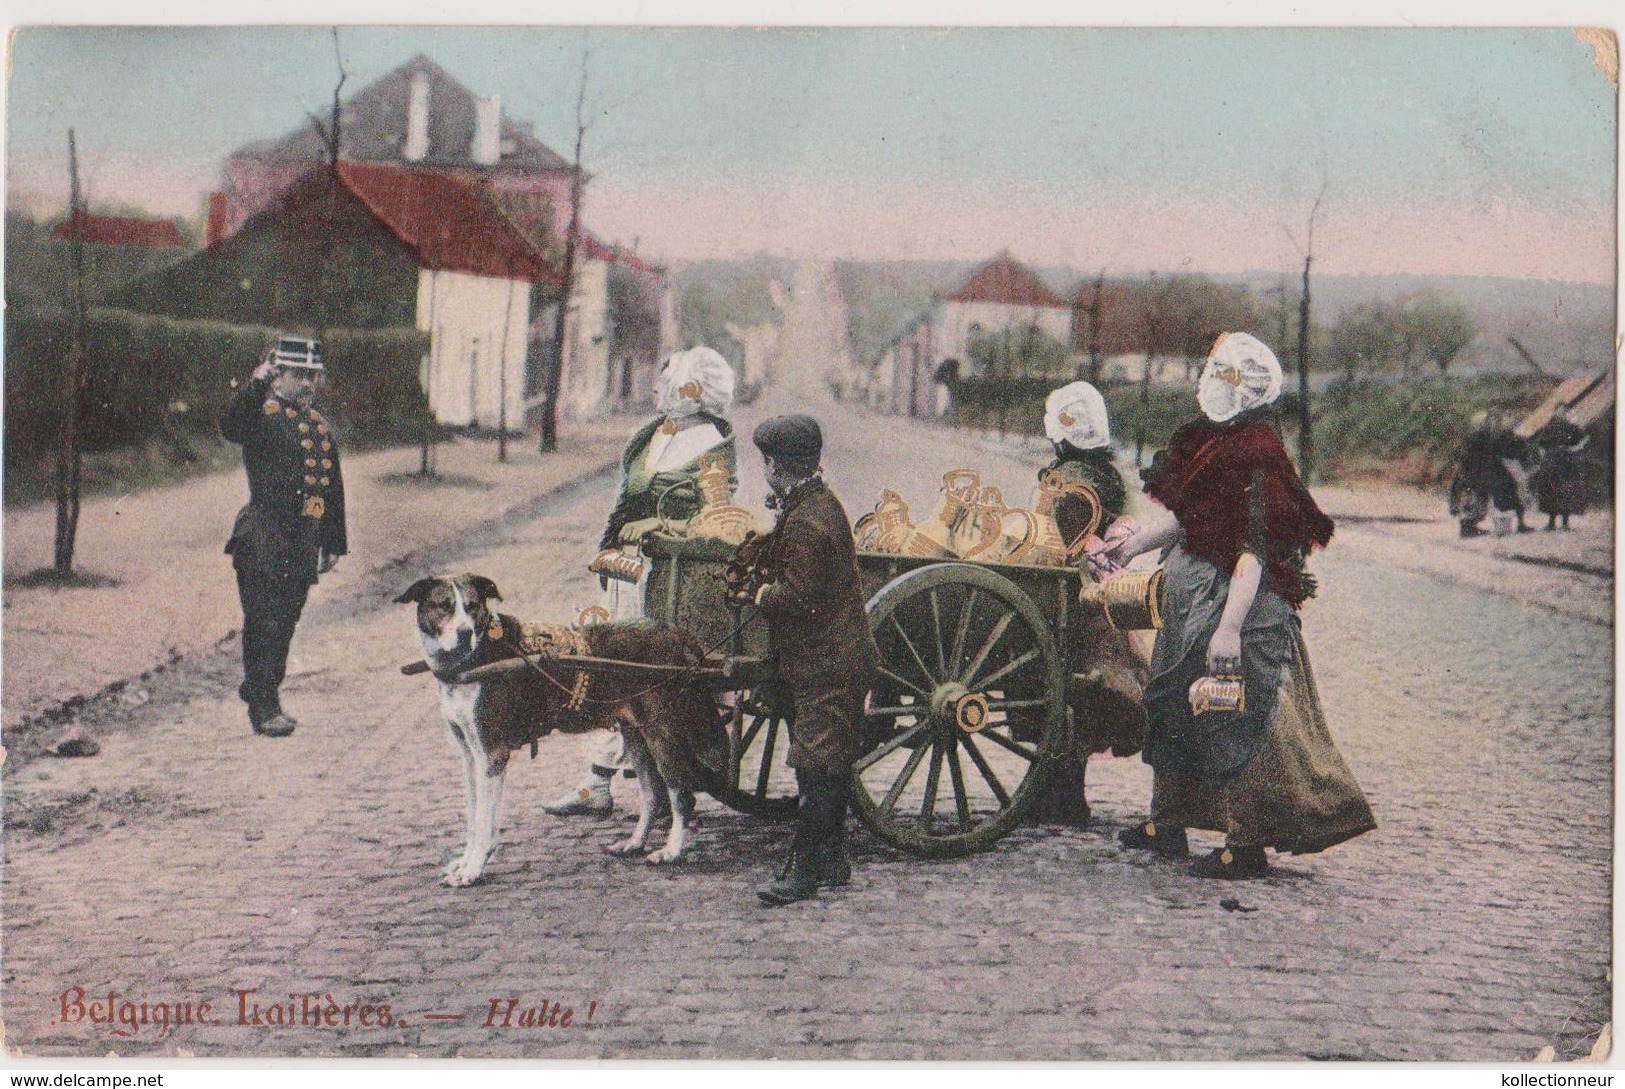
1131	601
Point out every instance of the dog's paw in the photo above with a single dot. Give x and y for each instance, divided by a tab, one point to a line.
462	879
622	848
664	856
464	873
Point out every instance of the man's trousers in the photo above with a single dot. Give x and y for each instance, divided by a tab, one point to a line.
272	603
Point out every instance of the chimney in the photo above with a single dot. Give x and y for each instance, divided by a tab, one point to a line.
487	149
417	119
216	229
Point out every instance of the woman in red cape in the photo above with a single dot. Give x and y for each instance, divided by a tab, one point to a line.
1236	524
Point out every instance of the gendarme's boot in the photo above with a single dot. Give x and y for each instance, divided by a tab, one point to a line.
797	881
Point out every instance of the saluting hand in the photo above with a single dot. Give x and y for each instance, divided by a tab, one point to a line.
264	371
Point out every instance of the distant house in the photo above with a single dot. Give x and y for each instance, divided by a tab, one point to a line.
903	381
127	231
373	245
117	251
445	215
618	327
1001	296
416	115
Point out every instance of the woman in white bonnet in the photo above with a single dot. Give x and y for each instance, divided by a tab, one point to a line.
1076	424
1237	524
659	490
1109	713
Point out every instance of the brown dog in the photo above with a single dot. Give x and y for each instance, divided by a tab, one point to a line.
674	733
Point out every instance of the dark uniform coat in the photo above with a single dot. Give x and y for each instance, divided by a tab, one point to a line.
813	602
295	485
295	511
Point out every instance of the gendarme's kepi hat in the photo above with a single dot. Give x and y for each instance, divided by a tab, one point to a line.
301	352
790	437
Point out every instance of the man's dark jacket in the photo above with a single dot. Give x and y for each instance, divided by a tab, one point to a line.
814	606
295	486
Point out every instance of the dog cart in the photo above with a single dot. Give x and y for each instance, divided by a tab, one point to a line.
969	708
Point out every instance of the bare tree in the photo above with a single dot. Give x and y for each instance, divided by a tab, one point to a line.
331	134
553	373
1154	331
70	456
1094	329
1306	441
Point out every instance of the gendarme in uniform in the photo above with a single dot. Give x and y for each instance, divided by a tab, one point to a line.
293	524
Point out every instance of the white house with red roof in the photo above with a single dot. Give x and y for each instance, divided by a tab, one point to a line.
475	289
482	205
1002	295
913	375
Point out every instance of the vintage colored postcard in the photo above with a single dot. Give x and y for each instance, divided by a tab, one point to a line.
707	543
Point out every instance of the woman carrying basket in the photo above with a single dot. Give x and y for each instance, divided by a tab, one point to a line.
660	471
1256	763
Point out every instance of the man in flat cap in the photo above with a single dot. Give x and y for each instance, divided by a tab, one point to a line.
292	528
805	581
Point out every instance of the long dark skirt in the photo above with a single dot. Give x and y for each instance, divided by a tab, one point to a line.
1296	793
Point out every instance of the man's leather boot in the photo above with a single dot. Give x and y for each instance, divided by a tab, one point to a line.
834	867
797	881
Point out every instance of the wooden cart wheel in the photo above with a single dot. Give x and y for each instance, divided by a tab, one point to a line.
968	710
763	784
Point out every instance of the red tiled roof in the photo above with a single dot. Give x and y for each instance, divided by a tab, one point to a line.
598	250
448	220
1006	280
123	231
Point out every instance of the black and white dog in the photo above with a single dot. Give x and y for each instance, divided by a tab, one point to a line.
675	736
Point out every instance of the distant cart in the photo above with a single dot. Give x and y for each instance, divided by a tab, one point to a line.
968	712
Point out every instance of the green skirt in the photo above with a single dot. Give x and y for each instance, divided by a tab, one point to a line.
1295	794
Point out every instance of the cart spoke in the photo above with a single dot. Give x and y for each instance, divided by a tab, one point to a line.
936	630
932	778
766	769
961	802
964	629
910	685
751	732
992	641
981	684
1005	742
918	710
896	791
987	772
925	670
890	747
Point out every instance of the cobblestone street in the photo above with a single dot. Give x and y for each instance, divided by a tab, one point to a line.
192	860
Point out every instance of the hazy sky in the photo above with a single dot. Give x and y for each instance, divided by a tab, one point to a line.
1473	151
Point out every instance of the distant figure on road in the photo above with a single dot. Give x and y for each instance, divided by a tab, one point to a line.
292	528
1488	480
803	576
1561	484
1262	769
660	472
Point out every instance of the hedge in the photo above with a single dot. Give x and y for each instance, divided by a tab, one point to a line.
150	378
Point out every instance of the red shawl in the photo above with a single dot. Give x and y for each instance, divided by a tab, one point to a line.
1207	477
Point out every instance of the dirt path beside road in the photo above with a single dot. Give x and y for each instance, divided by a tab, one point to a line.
156	587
